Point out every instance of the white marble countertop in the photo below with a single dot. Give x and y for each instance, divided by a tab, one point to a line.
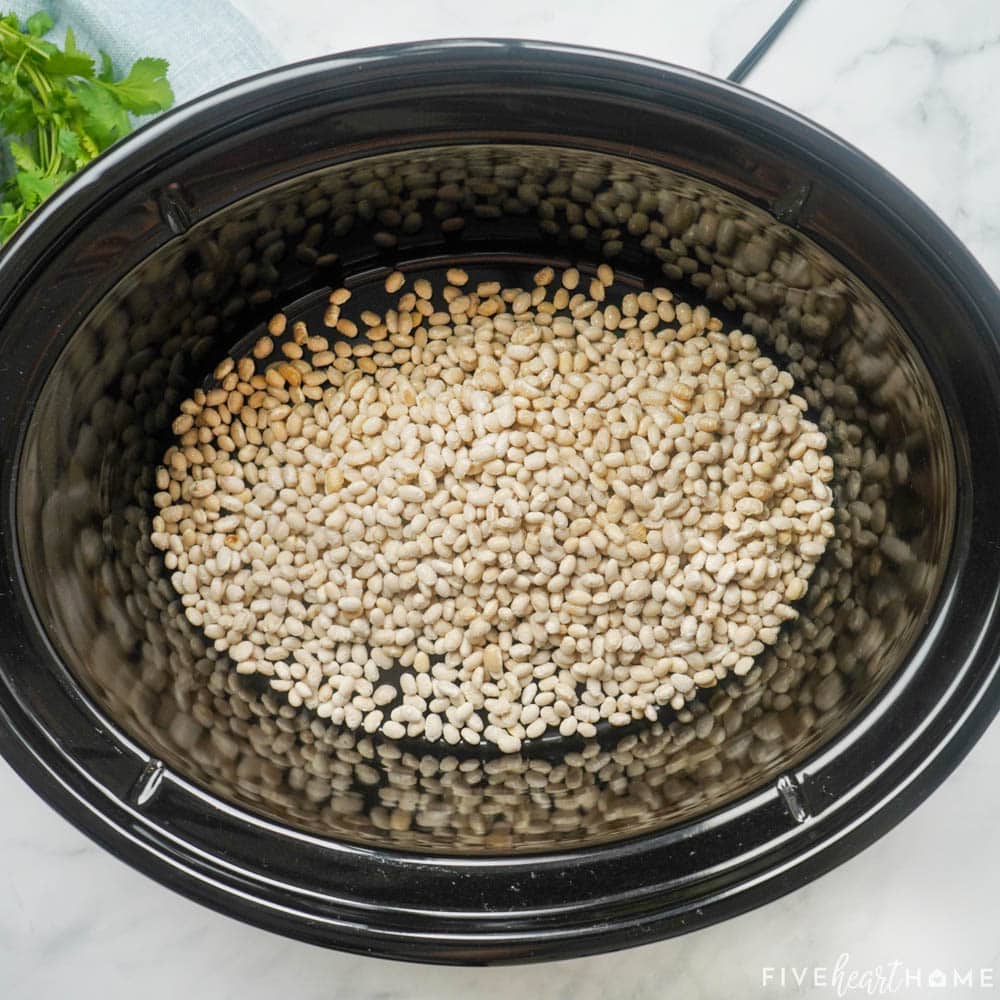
909	81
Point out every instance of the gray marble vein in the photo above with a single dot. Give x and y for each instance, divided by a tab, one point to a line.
913	84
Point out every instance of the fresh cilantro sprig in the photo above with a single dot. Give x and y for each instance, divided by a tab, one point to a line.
58	111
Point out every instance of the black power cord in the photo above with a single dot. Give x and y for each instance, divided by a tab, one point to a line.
747	63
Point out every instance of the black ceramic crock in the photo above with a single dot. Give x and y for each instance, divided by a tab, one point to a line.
122	291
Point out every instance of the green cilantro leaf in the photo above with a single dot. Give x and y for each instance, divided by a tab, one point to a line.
39	24
23	157
35	188
70	146
72	62
108	120
58	110
145	89
107	73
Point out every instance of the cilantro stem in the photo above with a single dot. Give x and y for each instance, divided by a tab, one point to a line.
25	40
43	93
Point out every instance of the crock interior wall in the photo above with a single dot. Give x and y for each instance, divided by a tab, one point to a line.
102	422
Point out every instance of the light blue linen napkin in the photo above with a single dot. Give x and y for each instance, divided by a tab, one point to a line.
208	43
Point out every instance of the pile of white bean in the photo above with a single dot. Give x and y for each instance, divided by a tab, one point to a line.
532	508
